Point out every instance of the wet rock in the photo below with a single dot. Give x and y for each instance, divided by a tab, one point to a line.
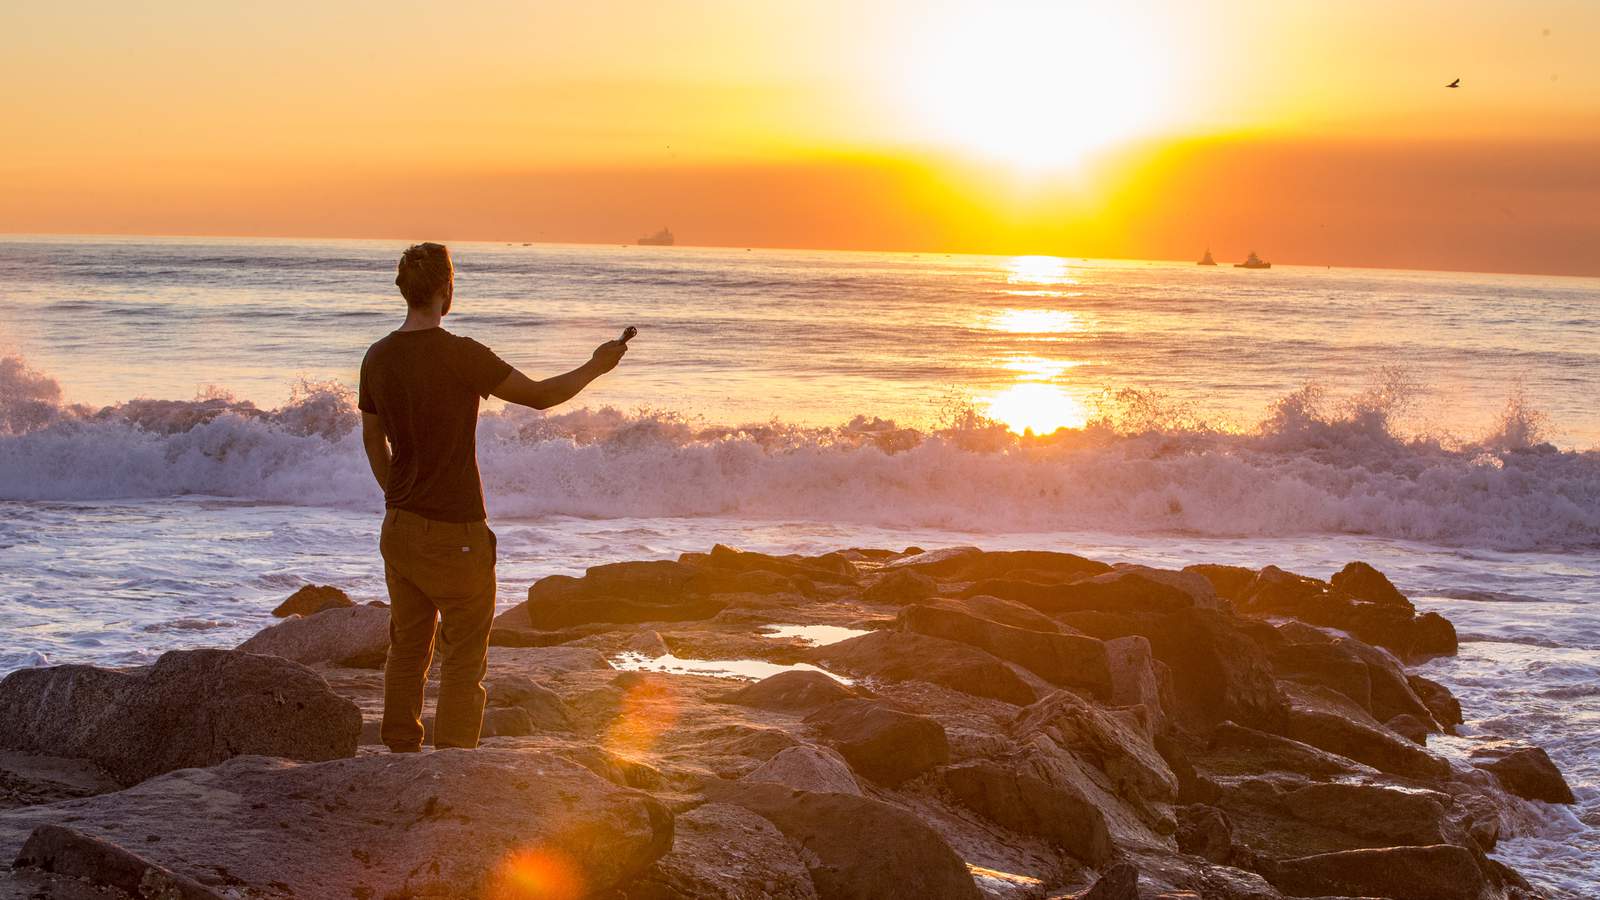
831	567
1446	709
1248	750
1441	872
905	656
1395	626
794	691
1018	797
943	563
1526	772
882	743
1332	664
313	598
645	643
448	823
900	587
1363	582
1130	589
1409	727
545	709
857	848
1065	659
724	852
191	708
1376	812
1229	582
357	637
808	768
63	851
1346	730
624	593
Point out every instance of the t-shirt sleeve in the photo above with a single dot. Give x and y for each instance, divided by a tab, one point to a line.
481	368
364	399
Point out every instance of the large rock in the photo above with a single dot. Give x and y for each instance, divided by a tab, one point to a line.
1376	812
1134	679
313	598
1126	589
906	656
452	823
969	564
357	637
725	852
1339	727
899	587
1115	746
628	593
808	768
1444	706
1527	772
1219	671
1439	872
1386	622
995	609
1363	582
882	743
830	567
545	709
861	849
794	691
1016	796
191	708
1064	659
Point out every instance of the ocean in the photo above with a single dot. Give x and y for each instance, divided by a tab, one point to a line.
177	449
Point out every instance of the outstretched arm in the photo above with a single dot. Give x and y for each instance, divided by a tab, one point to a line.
524	391
377	446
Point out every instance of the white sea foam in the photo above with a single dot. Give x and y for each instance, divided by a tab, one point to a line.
1312	467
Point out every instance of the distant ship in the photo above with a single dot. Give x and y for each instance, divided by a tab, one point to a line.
1253	262
662	238
1207	260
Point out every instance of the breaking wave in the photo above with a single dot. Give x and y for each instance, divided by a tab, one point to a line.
1314	465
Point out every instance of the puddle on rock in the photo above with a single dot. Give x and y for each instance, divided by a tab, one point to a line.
743	669
815	635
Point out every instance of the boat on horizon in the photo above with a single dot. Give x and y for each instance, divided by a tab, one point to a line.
662	238
1253	262
1206	260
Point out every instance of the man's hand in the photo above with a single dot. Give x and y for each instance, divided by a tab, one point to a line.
607	355
520	389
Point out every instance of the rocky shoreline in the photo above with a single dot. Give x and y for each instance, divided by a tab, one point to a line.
953	723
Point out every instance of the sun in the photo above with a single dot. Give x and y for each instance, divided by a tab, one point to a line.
1037	85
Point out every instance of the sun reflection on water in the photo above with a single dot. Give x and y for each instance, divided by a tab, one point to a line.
1038	270
1034	321
1037	406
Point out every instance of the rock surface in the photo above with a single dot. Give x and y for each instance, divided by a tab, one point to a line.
191	708
357	637
1528	772
1021	725
451	824
313	598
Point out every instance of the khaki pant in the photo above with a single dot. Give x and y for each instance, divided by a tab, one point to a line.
436	571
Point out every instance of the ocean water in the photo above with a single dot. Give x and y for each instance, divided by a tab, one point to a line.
177	452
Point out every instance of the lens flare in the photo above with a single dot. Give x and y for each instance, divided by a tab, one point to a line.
536	874
648	710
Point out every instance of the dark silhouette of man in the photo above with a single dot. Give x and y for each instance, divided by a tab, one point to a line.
419	394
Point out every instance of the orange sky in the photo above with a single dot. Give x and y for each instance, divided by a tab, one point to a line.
1315	133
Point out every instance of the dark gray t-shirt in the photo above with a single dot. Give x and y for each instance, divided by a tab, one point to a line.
425	386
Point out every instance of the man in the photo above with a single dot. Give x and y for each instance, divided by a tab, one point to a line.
419	394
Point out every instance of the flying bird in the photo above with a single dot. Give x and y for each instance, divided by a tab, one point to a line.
1455	84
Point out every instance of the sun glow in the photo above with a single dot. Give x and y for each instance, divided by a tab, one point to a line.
1037	406
1037	85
